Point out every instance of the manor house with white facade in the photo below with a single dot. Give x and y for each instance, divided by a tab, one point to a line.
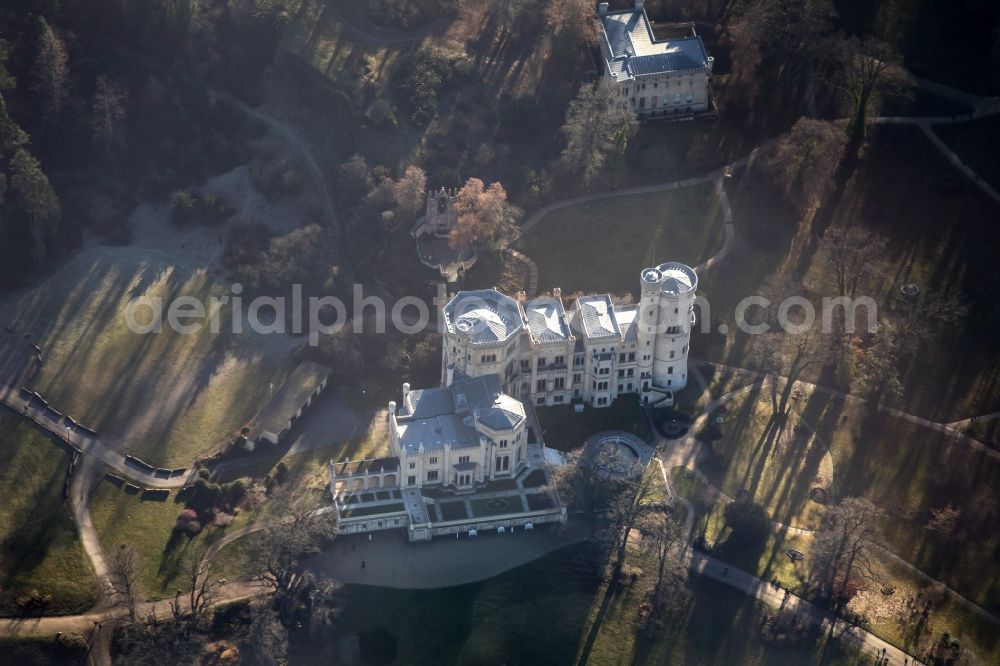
656	78
500	353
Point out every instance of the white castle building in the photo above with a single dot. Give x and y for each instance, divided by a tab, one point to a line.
498	353
591	354
656	78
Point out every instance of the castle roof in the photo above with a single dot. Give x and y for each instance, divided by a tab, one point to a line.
547	319
595	317
449	415
485	316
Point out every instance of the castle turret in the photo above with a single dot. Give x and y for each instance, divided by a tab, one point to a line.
665	320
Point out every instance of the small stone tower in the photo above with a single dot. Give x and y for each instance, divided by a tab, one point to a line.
441	216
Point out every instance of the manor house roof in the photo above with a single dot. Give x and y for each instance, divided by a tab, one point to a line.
635	51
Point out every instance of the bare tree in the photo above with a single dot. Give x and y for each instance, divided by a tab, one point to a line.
922	318
278	548
663	534
265	641
855	256
945	520
870	71
123	577
411	190
577	19
107	115
584	482
663	538
599	123
772	36
630	500
841	549
804	160
876	367
790	347
203	586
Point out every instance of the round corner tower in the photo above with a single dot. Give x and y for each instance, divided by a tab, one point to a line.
666	314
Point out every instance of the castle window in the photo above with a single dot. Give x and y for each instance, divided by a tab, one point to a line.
433	460
525	365
503	443
560	382
540	385
671	353
670	370
559	360
557	398
577	378
432	475
413	465
463	459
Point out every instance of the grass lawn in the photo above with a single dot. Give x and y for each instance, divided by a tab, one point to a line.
977	143
496	506
564	430
621	236
38	651
373	510
768	560
776	471
545	612
167	397
39	548
906	469
452	510
148	526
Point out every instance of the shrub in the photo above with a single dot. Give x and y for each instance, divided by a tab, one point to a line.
182	207
187	209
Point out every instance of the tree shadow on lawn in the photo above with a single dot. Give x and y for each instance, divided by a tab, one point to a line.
788	492
27	545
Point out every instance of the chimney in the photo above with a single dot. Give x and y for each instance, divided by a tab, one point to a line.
407	398
602	9
639	4
392	408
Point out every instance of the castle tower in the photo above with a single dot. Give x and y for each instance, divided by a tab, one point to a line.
666	315
441	215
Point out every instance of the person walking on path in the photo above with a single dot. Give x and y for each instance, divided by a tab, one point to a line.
362	564
725	571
